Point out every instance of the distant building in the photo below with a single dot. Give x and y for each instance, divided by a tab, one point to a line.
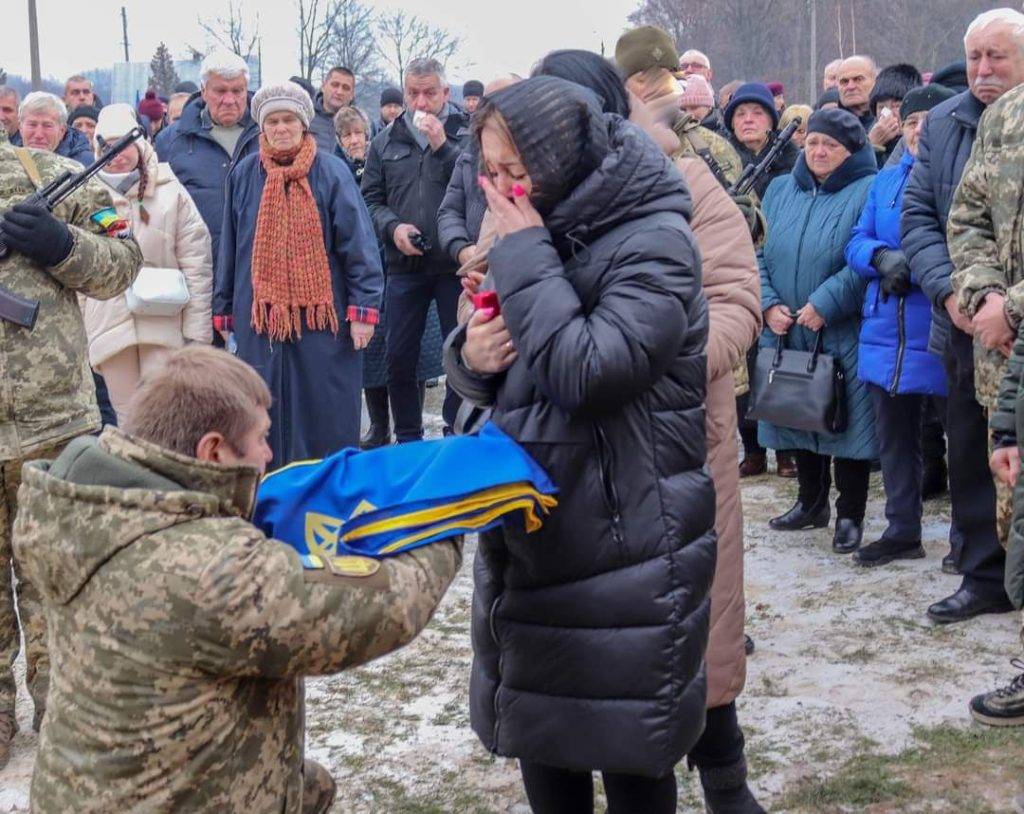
130	80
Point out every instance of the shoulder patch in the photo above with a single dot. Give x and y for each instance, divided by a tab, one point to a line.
112	223
354	566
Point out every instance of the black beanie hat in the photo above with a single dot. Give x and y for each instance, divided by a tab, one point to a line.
924	99
83	112
893	82
473	87
558	130
952	76
186	87
830	96
839	124
592	72
391	96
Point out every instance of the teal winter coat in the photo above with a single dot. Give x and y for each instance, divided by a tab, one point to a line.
803	260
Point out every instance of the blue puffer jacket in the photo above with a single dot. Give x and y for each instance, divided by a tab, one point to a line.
75	145
894	332
200	163
802	261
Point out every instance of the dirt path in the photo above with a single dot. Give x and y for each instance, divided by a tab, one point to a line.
846	666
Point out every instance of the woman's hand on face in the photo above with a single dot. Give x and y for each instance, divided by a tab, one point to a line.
778	319
488	347
810	318
510	216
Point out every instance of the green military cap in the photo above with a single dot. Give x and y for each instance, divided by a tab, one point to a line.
643	48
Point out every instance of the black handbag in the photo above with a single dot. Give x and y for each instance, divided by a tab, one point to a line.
799	390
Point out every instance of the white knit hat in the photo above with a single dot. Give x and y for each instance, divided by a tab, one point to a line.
114	121
283	96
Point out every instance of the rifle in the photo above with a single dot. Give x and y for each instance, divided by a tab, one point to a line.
22	311
752	173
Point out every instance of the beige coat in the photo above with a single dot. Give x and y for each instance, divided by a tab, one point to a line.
175	237
732	286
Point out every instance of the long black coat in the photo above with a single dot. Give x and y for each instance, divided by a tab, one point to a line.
589	635
942	153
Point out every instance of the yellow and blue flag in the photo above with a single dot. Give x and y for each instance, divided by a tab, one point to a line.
388	500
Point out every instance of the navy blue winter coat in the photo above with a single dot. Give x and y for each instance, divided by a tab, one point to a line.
315	381
894	331
75	145
803	260
942	152
200	163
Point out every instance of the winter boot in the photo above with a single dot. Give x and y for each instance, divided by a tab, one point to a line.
726	790
1003	706
8	728
379	433
785	465
318	788
885	550
754	463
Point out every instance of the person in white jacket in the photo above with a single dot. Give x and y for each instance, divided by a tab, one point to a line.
126	341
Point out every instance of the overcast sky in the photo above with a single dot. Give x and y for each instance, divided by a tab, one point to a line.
498	36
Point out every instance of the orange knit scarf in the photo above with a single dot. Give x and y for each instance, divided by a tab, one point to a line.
290	271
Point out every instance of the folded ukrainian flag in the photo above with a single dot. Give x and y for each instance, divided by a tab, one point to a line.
384	501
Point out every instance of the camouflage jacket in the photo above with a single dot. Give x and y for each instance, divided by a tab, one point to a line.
46	388
179	634
695	140
985	232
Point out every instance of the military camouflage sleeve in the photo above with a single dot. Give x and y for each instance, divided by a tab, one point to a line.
261	614
971	235
105	257
1003	419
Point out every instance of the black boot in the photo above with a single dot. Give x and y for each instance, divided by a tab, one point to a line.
799	517
726	790
847	536
379	432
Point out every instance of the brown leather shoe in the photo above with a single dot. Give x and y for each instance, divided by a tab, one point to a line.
8	727
318	788
754	463
785	464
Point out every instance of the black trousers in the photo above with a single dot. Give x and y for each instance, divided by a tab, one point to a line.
972	492
898	428
721	744
814	473
408	299
562	791
748	427
933	430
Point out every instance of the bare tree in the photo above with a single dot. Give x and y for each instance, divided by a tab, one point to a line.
234	32
403	37
315	28
353	37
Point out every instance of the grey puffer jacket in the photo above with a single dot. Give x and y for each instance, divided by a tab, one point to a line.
589	634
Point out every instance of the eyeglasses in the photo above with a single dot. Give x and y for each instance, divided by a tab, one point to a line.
685	65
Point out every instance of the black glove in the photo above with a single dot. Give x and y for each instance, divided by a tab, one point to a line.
891	264
31	230
748	208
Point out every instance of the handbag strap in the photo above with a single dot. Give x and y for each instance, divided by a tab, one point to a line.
812	363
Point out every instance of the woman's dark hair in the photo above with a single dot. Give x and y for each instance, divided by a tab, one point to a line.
592	72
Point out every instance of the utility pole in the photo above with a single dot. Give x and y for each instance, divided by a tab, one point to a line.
813	87
33	46
124	29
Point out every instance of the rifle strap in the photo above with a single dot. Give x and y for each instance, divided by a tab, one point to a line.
31	168
700	147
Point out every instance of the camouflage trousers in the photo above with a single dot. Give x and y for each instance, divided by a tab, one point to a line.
29	606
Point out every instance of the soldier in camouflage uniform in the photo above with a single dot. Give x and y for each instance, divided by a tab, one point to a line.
46	395
180	634
986	244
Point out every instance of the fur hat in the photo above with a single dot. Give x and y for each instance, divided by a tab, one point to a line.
284	96
645	47
893	82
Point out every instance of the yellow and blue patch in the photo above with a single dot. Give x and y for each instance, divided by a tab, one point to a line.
112	223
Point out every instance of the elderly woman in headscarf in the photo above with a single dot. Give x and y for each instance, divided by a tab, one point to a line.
298	278
589	634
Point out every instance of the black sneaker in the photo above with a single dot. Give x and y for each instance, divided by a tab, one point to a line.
1003	706
885	551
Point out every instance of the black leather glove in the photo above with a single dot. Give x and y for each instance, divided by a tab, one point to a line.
891	264
31	230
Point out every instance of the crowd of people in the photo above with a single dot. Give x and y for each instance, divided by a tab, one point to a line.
630	287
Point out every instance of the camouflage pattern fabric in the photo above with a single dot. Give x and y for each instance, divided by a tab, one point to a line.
32	620
694	139
986	229
48	394
179	634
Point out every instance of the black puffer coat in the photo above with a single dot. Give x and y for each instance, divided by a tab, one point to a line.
589	634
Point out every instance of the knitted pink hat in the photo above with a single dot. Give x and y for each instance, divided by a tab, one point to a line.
697	92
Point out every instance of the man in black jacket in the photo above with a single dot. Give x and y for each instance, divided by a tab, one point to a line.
407	172
943	150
